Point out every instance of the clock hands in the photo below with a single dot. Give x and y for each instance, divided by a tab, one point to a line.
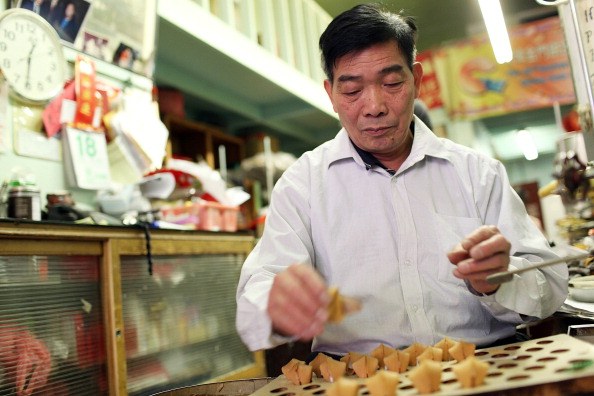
29	62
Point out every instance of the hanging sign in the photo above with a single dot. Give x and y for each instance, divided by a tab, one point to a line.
538	76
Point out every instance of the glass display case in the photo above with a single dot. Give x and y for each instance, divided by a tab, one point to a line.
51	327
99	310
179	322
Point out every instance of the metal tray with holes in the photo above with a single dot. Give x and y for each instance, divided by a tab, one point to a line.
555	365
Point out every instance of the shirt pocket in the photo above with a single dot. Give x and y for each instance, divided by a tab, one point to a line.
449	231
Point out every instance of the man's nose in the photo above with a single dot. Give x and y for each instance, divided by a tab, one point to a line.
375	103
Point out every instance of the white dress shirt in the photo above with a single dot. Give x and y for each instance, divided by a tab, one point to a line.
383	239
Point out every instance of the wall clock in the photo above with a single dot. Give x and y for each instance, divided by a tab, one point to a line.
31	57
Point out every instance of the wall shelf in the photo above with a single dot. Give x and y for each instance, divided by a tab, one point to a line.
209	60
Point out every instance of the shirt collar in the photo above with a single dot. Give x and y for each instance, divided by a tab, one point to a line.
425	143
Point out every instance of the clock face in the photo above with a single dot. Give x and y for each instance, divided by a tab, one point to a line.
31	57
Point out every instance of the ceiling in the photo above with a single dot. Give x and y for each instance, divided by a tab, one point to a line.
228	94
440	21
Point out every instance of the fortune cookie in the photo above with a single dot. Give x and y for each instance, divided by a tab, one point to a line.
317	361
426	377
340	306
397	361
343	387
366	366
349	359
382	383
297	372
445	344
414	350
431	353
461	350
381	352
471	372
332	369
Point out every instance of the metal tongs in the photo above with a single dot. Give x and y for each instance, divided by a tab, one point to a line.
506	276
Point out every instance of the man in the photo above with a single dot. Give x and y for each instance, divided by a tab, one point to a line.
67	25
54	11
407	223
37	6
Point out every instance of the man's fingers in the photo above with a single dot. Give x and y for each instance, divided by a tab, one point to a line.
298	301
494	263
484	242
293	294
457	254
294	322
480	234
497	244
311	282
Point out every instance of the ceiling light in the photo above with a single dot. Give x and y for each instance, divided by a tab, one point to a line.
493	16
526	142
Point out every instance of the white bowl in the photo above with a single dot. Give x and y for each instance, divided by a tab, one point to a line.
582	288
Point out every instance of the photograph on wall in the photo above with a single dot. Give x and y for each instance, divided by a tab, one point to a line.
66	16
96	46
119	26
128	26
125	56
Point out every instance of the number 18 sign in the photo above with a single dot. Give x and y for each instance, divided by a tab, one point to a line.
85	159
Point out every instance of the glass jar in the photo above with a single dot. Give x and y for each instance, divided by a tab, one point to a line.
24	202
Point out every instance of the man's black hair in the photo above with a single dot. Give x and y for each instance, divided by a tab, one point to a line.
362	27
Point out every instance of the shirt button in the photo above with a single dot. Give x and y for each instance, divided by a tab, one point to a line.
407	263
414	308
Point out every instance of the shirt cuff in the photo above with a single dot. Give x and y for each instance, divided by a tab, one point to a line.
471	289
278	339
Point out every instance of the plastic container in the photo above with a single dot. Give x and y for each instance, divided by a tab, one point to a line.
204	215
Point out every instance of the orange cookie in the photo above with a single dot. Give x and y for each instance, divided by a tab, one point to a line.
397	361
365	367
426	377
461	350
340	306
471	372
383	383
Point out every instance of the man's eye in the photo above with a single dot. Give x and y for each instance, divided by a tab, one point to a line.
393	84
351	93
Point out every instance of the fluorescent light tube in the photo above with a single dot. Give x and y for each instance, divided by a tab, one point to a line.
493	16
526	142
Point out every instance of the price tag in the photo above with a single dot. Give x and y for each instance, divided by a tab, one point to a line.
85	159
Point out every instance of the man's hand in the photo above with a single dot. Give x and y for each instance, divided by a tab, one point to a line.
298	302
483	252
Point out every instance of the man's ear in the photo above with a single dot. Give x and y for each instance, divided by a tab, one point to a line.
418	75
328	88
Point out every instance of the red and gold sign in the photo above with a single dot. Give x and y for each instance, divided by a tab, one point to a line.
430	89
87	98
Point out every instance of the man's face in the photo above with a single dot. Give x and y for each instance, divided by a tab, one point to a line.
373	93
69	12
